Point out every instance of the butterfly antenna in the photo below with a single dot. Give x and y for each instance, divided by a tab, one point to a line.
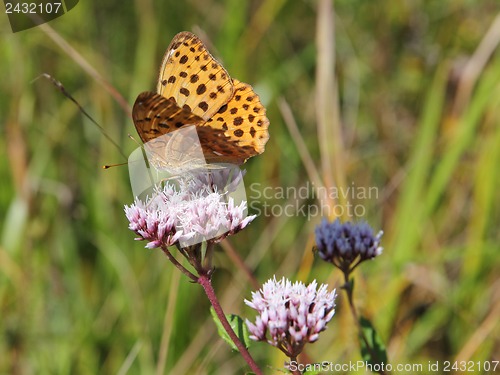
135	140
113	165
144	155
61	88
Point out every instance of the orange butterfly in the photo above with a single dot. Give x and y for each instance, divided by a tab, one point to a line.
194	89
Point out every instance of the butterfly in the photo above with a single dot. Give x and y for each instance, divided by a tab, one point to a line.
194	89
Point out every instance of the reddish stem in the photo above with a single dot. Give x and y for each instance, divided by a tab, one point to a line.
179	266
206	283
296	371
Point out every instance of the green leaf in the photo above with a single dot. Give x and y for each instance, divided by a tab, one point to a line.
237	324
373	353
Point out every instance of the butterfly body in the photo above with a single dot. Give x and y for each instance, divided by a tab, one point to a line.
194	89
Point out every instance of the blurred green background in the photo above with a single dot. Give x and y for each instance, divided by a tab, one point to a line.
402	96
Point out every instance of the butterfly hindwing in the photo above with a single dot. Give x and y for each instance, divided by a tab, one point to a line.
243	121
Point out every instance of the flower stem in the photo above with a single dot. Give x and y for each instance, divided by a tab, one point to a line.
206	283
349	289
177	264
296	371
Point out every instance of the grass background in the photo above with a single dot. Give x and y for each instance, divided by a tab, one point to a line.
401	96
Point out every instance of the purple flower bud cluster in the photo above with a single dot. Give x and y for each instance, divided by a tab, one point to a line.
290	315
347	244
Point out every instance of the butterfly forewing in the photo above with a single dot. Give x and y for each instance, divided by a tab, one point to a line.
193	78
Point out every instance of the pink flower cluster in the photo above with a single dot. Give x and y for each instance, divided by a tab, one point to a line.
179	215
290	315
